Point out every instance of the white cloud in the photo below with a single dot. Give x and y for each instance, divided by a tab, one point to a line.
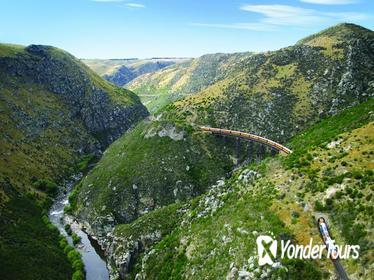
330	2
135	5
274	16
283	14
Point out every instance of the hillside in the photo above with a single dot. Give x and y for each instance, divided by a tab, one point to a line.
277	94
122	71
330	173
55	114
152	171
162	87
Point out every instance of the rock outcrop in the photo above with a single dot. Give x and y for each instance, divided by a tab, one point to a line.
106	111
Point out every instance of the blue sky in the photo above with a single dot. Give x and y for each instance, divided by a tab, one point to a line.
190	28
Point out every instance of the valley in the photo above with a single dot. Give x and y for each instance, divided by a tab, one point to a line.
107	170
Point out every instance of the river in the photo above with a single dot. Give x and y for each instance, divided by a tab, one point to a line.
92	256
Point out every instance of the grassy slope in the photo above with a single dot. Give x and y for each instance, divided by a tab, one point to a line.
29	250
40	142
110	66
280	93
162	170
162	87
208	240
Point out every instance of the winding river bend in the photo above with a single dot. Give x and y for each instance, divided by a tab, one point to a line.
92	256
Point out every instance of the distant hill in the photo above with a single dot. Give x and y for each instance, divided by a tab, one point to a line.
122	71
55	114
165	86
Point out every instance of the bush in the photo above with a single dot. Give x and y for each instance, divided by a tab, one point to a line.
295	214
68	249
318	206
76	238
46	185
78	275
74	255
328	203
357	175
68	229
78	265
339	194
45	219
63	243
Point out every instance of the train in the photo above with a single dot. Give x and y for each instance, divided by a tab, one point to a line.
248	136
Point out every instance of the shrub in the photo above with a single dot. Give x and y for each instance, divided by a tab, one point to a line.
68	229
78	265
76	238
45	219
73	255
78	275
357	175
348	191
295	214
339	194
63	243
46	185
329	203
318	206
68	249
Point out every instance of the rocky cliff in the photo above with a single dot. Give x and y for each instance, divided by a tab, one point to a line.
106	111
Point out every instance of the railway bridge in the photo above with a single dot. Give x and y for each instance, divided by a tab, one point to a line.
247	136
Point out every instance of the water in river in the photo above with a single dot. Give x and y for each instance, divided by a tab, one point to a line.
92	256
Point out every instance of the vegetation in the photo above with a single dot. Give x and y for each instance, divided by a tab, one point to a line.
122	71
76	238
29	247
157	163
43	140
162	187
217	230
177	81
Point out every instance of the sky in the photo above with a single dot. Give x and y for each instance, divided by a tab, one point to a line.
172	28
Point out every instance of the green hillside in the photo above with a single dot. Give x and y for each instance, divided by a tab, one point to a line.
54	112
215	234
167	160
